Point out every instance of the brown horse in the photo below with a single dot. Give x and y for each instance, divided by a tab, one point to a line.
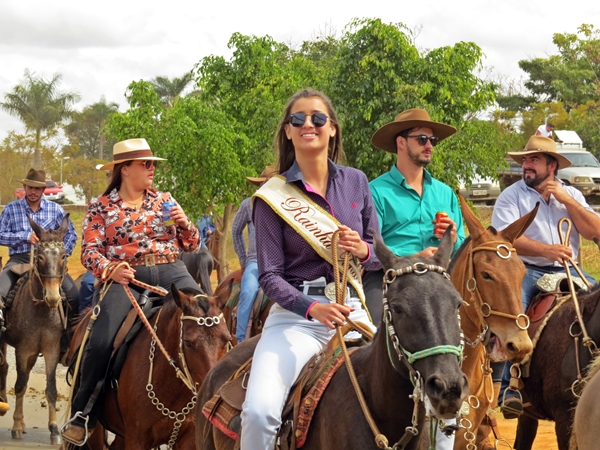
421	305
150	405
495	326
556	362
35	322
226	298
586	434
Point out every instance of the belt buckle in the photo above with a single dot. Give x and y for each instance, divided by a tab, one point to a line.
330	292
149	260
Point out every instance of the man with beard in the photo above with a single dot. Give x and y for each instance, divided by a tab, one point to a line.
16	234
407	197
539	247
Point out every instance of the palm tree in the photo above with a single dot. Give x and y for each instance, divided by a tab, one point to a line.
40	106
168	90
99	112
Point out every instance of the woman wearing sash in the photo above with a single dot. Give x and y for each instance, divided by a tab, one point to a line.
295	214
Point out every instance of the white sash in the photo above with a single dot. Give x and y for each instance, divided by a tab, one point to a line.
310	221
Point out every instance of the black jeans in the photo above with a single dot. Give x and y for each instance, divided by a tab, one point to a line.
113	310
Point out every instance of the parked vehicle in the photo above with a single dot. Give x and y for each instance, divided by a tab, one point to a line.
53	192
481	190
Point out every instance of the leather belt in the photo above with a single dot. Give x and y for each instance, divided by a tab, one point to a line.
151	259
321	291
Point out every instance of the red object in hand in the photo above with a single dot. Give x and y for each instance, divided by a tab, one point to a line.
438	221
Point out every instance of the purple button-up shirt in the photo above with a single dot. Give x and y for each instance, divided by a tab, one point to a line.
286	260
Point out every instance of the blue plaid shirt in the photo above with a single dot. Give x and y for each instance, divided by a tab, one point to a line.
15	229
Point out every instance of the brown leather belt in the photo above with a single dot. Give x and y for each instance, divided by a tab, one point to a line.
151	259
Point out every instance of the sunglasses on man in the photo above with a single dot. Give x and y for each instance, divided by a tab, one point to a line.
318	119
422	139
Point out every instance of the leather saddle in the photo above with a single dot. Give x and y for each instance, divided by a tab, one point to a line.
259	304
224	409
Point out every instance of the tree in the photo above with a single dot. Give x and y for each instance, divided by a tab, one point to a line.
170	89
86	129
40	106
573	75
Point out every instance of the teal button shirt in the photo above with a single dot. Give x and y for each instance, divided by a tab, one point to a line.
406	218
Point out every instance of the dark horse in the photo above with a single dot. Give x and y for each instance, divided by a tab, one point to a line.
423	308
200	265
225	297
35	322
554	369
150	405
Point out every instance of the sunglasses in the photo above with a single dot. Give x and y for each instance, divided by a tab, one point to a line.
149	163
422	139
318	119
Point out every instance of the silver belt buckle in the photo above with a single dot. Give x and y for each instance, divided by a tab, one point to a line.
330	292
149	260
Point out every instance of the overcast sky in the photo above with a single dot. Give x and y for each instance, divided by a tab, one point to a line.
100	47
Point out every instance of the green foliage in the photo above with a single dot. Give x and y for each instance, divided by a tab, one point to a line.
170	89
40	105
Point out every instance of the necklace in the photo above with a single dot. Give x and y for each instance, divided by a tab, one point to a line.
136	204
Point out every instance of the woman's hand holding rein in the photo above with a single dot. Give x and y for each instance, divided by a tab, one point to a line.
330	314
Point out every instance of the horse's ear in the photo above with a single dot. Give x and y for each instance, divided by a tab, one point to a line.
64	225
444	251
518	227
177	294
35	227
385	256
473	223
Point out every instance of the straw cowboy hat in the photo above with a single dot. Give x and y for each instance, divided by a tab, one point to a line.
131	150
267	173
385	137
35	178
540	144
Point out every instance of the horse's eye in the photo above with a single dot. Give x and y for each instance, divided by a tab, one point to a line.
188	344
486	276
396	309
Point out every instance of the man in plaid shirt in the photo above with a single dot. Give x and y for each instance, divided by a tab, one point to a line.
16	234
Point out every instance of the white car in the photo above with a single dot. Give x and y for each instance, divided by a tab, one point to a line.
481	189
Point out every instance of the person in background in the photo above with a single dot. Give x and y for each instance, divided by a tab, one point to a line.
407	198
294	265
16	234
248	263
134	224
545	130
540	247
206	226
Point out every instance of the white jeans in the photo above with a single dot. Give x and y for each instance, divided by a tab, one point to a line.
287	343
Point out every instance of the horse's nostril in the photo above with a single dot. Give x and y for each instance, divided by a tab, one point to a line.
435	387
511	347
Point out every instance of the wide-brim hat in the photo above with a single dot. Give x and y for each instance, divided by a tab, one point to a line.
267	173
385	137
541	144
35	178
131	150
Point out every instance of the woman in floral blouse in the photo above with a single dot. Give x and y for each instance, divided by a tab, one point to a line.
126	224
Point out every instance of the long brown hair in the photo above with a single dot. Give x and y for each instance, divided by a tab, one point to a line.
284	148
116	178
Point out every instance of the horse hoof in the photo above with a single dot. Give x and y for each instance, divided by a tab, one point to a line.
16	434
55	440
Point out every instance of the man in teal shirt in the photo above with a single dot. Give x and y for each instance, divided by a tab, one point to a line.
407	197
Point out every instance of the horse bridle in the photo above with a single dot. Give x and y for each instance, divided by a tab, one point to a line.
485	310
407	357
34	267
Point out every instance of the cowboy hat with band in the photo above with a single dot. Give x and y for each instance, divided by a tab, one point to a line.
130	150
541	144
385	137
35	178
267	173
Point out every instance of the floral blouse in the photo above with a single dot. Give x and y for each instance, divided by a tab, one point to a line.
114	232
